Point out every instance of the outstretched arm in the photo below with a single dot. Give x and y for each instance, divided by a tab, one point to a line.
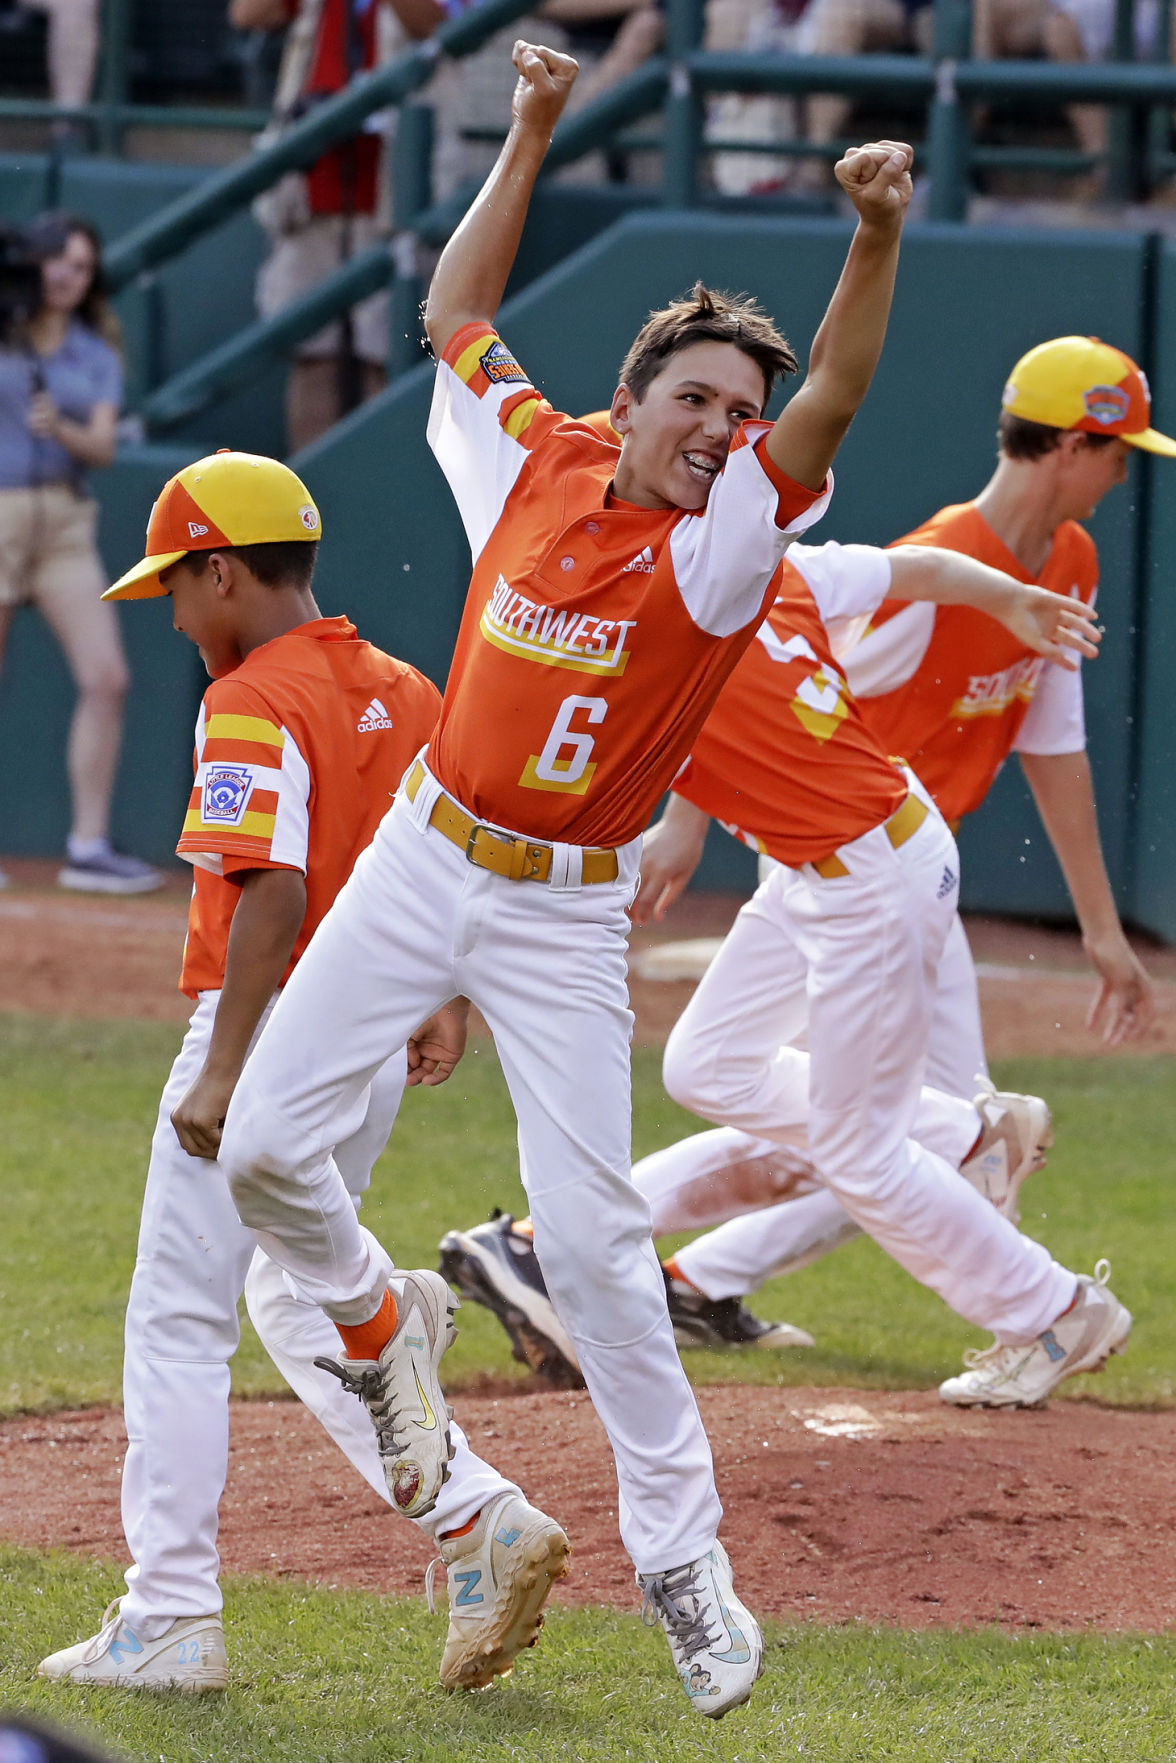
845	351
1049	624
471	276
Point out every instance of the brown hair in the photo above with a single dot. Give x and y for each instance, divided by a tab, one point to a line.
277	563
1019	439
48	236
706	315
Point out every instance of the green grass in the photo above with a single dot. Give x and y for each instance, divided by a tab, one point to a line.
349	1678
78	1101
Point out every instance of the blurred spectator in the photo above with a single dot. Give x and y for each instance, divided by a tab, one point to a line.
73	52
60	391
770	28
1022	30
23	1740
319	219
609	38
856	27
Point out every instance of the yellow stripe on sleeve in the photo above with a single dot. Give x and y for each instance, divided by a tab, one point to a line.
223	727
521	418
250	826
468	362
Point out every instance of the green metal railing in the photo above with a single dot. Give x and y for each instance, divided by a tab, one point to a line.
677	85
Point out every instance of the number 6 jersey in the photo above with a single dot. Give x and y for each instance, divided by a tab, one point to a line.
596	634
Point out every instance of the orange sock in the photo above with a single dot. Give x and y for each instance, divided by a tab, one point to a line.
524	1227
675	1272
366	1340
463	1530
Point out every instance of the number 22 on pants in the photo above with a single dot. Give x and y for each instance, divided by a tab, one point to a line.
565	762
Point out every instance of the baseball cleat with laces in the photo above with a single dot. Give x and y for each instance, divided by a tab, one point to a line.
1015	1135
188	1656
499	1577
1082	1339
402	1391
715	1641
496	1265
724	1323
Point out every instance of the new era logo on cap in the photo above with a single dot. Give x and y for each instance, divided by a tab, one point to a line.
195	530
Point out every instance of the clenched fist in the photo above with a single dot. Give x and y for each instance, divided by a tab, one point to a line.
877	179
544	84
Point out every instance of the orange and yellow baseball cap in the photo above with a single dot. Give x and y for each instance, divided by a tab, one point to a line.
226	499
1082	383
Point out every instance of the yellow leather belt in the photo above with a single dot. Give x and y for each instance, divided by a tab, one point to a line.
488	848
907	818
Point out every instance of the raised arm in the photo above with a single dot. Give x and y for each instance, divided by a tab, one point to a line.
845	351
471	276
1060	629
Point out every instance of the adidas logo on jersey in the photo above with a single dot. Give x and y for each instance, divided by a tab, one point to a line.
374	717
642	563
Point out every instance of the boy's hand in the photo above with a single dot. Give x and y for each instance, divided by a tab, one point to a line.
200	1117
436	1047
877	180
1051	625
544	85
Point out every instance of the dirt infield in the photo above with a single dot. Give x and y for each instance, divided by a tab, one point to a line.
841	1505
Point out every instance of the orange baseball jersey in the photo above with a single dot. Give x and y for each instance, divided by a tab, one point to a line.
299	752
951	689
596	634
784	760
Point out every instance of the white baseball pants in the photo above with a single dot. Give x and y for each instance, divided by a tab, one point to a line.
416	925
857	957
719	1177
181	1332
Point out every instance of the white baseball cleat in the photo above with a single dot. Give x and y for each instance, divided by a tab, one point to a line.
1015	1134
1083	1339
499	1577
496	1265
189	1656
715	1641
402	1391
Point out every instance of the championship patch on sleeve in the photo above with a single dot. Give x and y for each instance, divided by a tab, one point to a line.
227	789
499	365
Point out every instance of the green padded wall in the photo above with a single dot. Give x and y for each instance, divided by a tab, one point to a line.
1154	902
969	303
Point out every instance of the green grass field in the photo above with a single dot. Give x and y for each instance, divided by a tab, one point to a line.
322	1675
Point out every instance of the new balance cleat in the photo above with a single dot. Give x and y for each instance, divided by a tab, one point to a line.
402	1391
496	1265
1016	1133
189	1656
1025	1377
725	1323
500	1575
715	1641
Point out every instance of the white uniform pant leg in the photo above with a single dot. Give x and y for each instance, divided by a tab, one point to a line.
712	1176
955	1055
181	1332
738	1257
379	964
873	940
547	969
295	1332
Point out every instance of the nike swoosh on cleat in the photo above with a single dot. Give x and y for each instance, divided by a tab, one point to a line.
739	1652
429	1423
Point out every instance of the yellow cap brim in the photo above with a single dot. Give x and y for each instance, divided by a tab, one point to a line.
143	583
1152	442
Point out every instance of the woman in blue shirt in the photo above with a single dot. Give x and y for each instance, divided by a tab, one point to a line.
60	391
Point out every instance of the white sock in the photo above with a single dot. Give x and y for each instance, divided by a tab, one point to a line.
81	850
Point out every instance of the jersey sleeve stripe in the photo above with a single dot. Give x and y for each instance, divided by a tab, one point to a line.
225	727
225	751
517	420
467	362
252	824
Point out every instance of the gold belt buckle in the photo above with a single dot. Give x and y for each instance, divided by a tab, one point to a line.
477	827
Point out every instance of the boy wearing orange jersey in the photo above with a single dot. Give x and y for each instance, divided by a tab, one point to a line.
611	595
947	687
301	739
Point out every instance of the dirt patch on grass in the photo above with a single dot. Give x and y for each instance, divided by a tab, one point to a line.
841	1504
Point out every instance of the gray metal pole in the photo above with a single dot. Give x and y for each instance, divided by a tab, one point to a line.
412	191
948	134
114	78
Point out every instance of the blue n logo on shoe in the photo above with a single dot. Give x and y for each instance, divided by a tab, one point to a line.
738	1653
125	1646
1052	1345
467	1594
507	1537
